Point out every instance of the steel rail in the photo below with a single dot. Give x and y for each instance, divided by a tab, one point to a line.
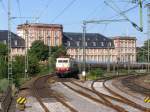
35	92
46	85
60	100
117	108
124	99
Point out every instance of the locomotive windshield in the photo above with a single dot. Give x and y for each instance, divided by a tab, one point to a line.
63	61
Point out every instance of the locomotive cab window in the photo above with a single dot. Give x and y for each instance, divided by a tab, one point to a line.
60	61
65	61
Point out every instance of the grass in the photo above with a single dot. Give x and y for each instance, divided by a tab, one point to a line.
4	83
95	73
100	73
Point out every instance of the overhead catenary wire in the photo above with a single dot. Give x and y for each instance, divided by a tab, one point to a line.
128	1
125	11
99	17
117	15
65	9
3	6
18	3
43	11
94	10
19	8
119	12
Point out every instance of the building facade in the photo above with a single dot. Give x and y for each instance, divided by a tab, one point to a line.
51	34
125	48
17	43
100	49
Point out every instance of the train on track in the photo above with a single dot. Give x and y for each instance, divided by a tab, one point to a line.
66	67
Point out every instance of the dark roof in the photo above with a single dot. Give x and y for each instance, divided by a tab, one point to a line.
16	40
124	38
93	40
40	25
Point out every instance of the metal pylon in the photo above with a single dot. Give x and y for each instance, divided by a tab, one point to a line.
10	78
148	33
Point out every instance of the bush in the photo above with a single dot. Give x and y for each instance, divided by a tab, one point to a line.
33	65
95	73
4	83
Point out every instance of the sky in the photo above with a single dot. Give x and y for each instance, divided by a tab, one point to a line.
71	13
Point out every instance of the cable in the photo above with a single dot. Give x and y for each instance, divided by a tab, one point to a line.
19	8
119	11
18	3
69	5
129	1
99	17
44	9
104	30
125	11
93	11
3	6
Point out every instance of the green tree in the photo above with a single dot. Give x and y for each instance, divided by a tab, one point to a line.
3	67
19	65
33	65
3	49
3	60
40	50
142	52
60	51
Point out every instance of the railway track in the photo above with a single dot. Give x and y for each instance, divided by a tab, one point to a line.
100	100
41	90
124	99
130	83
59	99
116	98
35	90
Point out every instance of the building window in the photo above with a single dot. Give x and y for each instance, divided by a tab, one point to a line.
102	43
68	43
78	43
85	43
94	43
56	34
109	44
4	41
15	42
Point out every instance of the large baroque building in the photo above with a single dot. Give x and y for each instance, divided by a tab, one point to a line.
38	31
100	49
17	43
